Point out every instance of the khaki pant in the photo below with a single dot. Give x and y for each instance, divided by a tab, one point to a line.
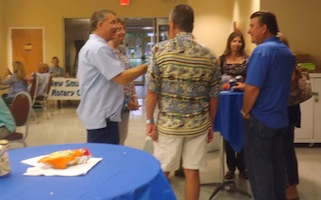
123	128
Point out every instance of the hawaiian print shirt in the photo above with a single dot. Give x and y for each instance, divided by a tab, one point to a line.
121	56
185	75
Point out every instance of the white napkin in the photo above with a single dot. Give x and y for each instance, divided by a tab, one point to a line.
39	169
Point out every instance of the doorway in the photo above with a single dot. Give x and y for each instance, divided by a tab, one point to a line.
27	47
76	34
142	33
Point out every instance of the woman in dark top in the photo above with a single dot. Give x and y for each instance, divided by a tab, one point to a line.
234	63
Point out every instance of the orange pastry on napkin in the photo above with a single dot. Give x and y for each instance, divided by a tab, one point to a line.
61	159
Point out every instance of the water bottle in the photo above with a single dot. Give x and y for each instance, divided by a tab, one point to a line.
4	159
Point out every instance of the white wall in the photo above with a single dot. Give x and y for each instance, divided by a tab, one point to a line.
300	21
50	15
214	21
241	15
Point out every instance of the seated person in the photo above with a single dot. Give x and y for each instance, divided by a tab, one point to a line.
7	123
43	78
15	80
55	70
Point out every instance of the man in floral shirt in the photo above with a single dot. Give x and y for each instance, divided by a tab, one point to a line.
184	79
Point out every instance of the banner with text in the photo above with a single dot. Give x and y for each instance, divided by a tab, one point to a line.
64	89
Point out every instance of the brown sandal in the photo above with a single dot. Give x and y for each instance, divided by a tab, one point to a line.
244	175
229	175
292	193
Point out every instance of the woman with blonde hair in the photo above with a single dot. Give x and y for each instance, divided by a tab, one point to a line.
15	80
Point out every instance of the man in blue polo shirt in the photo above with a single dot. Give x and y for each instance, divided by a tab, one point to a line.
264	110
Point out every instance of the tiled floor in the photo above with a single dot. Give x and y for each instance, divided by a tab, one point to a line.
65	127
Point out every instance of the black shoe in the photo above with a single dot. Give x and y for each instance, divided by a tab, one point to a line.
179	173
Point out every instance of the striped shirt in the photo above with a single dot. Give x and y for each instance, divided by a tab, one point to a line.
185	75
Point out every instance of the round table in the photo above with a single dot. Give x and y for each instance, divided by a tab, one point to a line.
228	120
124	173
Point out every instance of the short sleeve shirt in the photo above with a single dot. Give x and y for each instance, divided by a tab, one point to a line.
100	97
57	71
185	75
270	69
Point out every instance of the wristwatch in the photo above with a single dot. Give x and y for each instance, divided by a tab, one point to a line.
243	113
149	121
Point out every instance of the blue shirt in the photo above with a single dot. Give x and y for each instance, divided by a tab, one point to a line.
100	96
57	71
270	69
16	85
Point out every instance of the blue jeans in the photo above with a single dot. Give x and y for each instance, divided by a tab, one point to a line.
109	134
265	160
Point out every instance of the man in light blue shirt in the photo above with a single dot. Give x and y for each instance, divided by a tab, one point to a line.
101	78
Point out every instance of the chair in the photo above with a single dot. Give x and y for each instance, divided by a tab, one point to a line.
43	99
33	93
20	109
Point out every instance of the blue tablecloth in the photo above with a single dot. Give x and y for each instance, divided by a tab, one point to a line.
228	120
124	173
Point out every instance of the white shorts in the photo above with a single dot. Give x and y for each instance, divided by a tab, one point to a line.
170	150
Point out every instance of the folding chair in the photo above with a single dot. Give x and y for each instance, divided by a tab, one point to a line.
20	109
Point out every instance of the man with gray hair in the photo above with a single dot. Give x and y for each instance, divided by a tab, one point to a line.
184	79
101	78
